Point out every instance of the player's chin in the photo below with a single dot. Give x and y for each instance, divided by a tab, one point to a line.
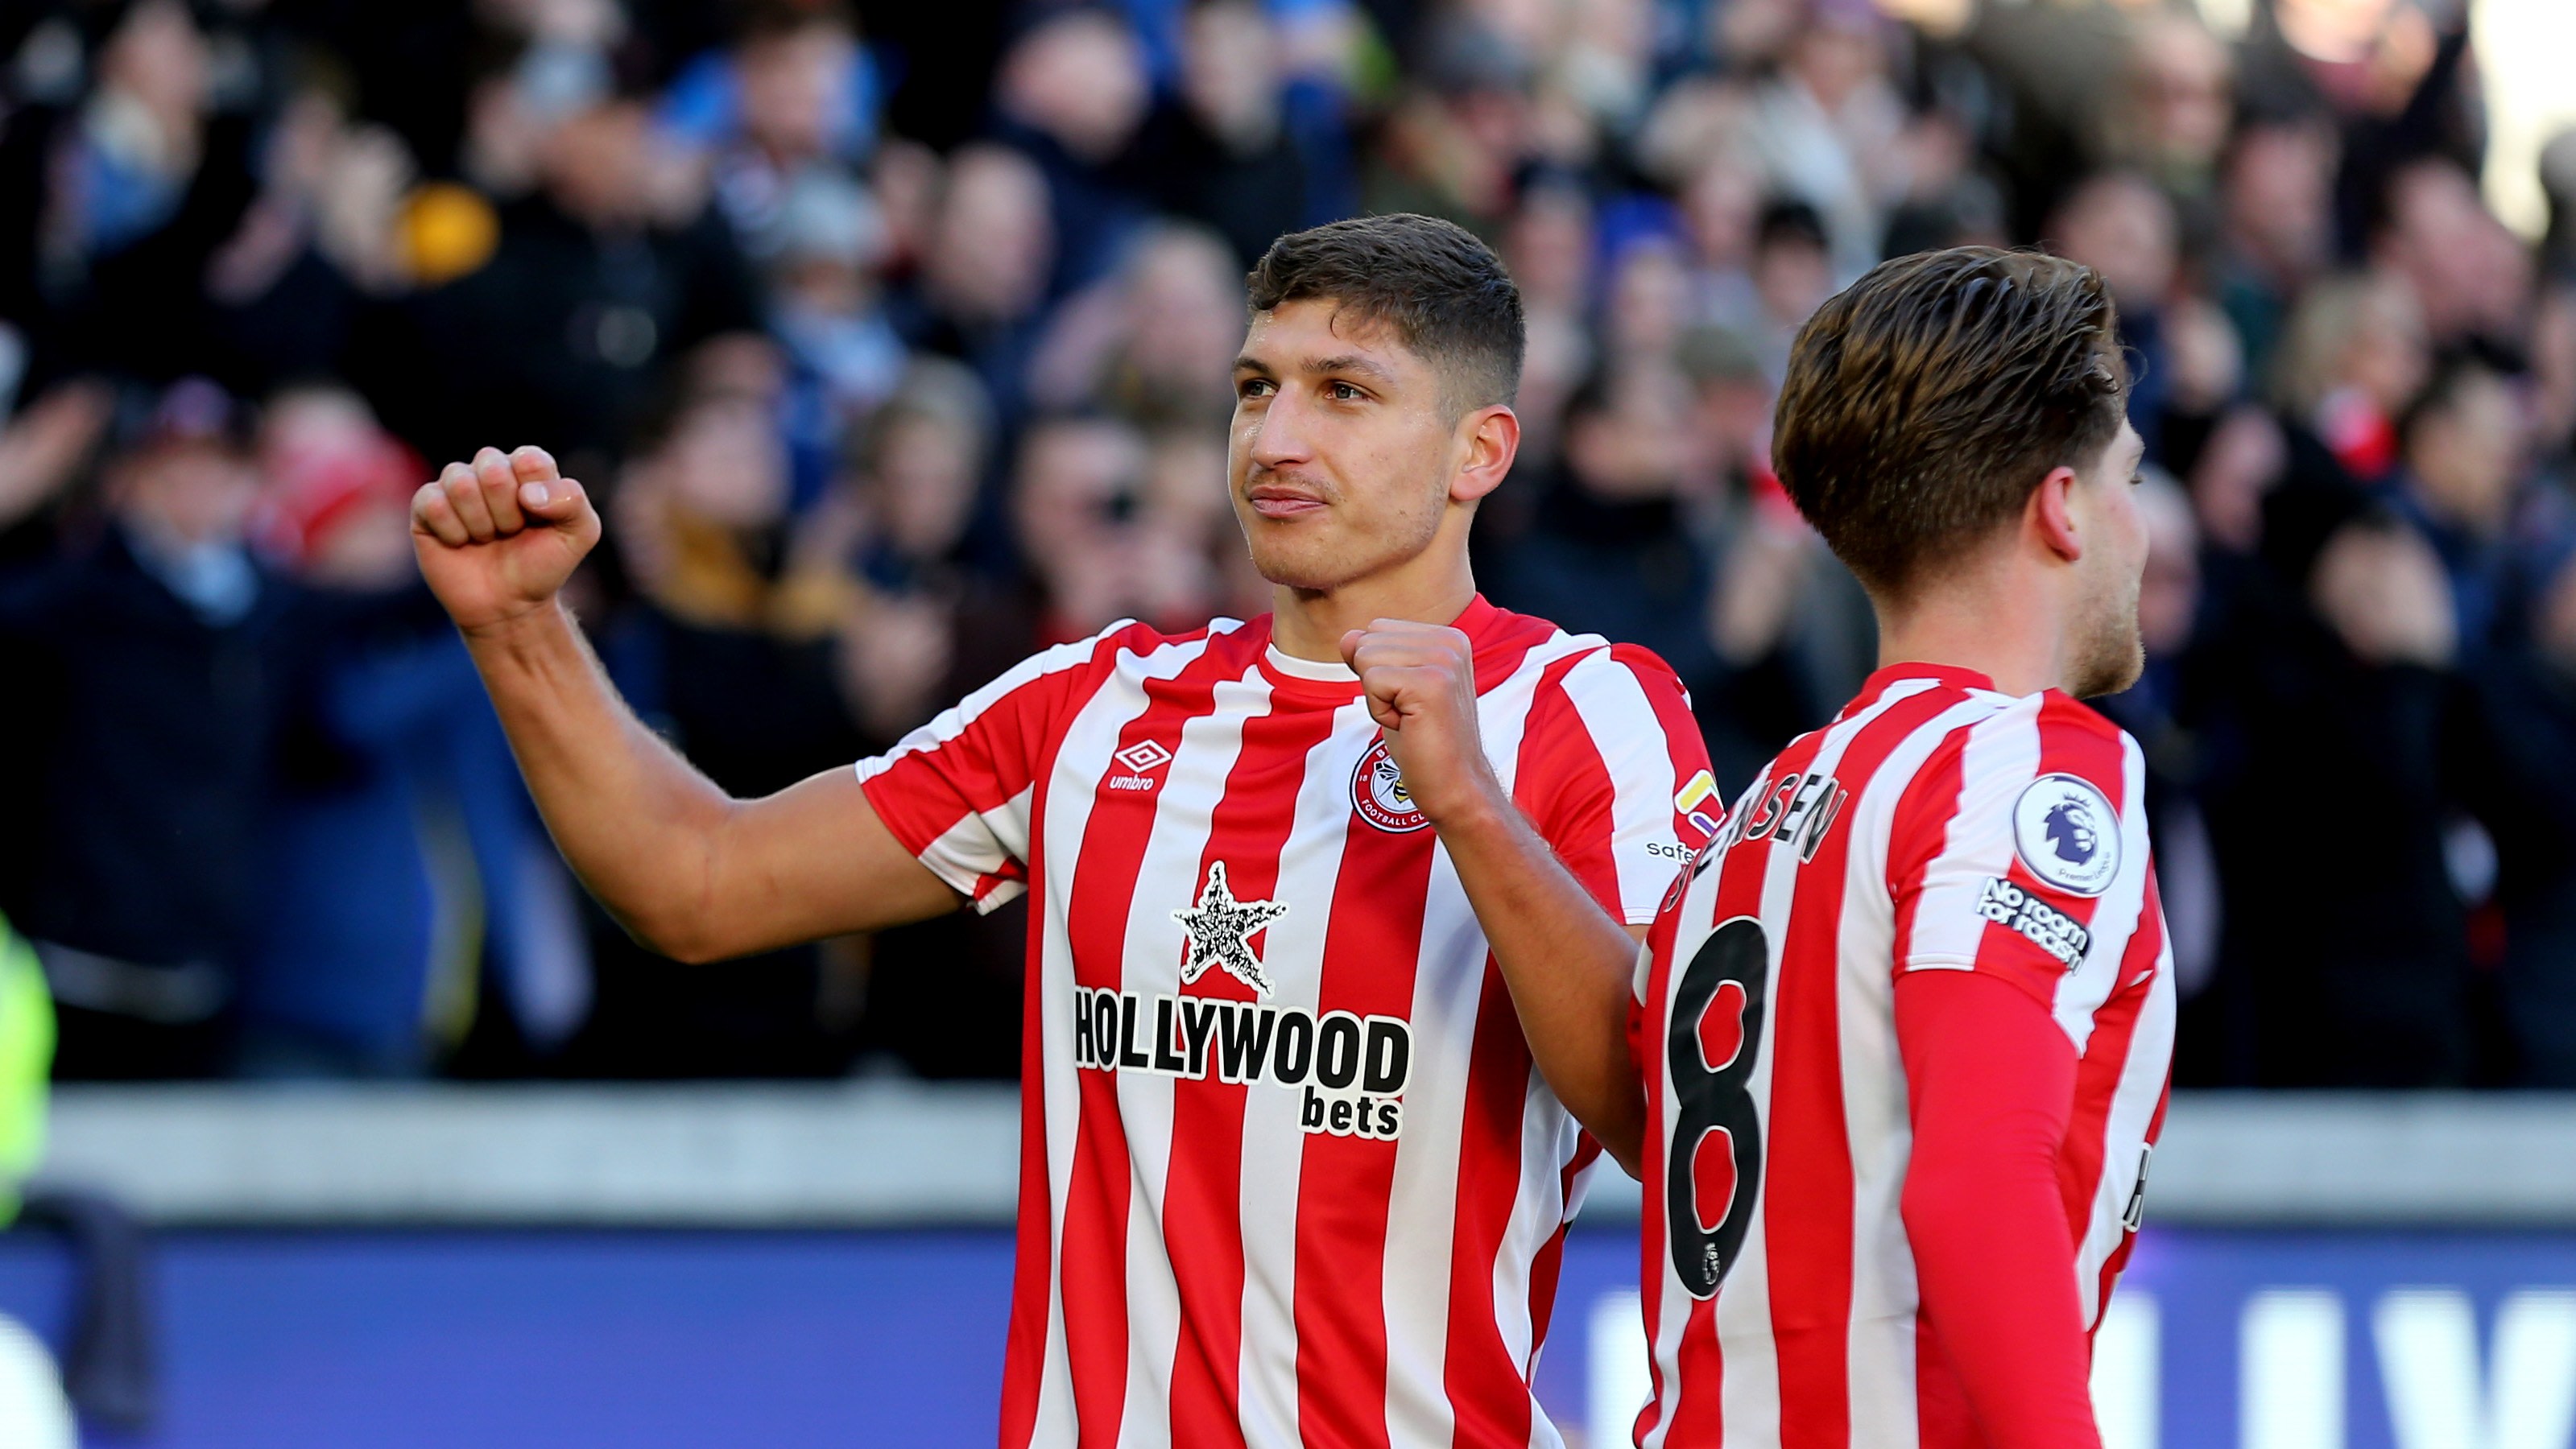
2112	669
1308	564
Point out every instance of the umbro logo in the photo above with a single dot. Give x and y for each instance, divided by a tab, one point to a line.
1141	759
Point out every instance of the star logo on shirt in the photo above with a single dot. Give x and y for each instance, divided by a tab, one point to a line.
1221	929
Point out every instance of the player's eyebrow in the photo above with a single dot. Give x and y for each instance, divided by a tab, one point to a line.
1250	363
1348	362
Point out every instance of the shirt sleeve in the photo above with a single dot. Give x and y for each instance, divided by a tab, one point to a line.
1990	1082
2007	838
957	791
1614	775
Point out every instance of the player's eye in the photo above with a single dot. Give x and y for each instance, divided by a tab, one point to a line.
1253	387
1344	392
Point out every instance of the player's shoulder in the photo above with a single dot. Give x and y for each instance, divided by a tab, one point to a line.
1951	745
1060	674
1579	663
1132	647
2049	733
1987	733
2045	771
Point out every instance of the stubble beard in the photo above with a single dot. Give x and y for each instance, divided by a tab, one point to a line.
1318	561
2111	653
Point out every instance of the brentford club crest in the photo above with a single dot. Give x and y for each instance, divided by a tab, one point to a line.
1378	793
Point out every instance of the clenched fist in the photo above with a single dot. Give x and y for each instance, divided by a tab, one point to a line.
498	536
1420	680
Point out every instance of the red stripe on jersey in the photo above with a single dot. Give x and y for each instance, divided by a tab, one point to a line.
1345	1182
1032	1266
1503	639
1094	1282
1576	814
1807	1190
1941	1416
1918	834
1202	1196
1485	1392
2073	740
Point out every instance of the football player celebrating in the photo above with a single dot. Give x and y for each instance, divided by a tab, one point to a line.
1906	1023
1336	907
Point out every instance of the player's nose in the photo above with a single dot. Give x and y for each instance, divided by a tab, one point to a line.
1280	438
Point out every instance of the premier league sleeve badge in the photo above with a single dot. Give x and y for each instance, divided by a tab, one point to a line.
2067	834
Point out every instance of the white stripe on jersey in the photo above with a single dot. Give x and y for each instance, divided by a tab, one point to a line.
979	846
1549	1138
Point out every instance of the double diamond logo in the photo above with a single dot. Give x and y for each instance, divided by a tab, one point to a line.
1142	756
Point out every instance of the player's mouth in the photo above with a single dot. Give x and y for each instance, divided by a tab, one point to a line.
1273	500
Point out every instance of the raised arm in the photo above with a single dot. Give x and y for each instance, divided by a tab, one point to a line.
686	869
1565	960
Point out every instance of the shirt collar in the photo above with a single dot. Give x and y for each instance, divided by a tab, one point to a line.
1953	675
1480	621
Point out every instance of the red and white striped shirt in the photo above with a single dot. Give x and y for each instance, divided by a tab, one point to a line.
1288	1175
1935	825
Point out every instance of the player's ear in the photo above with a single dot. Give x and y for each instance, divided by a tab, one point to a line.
2049	517
1490	438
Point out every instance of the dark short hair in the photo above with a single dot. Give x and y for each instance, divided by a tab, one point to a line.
1926	401
1443	292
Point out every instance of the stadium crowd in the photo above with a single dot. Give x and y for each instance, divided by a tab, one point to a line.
896	339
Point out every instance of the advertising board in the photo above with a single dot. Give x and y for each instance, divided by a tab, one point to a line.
2269	1339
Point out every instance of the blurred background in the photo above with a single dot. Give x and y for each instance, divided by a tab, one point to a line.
893	340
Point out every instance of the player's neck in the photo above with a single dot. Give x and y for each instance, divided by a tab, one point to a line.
2011	637
1310	623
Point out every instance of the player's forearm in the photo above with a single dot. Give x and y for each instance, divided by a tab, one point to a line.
636	822
1566	963
1991	1077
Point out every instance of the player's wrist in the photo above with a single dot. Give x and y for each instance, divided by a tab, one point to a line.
517	627
1475	802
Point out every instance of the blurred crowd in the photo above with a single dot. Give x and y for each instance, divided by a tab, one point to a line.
895	340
